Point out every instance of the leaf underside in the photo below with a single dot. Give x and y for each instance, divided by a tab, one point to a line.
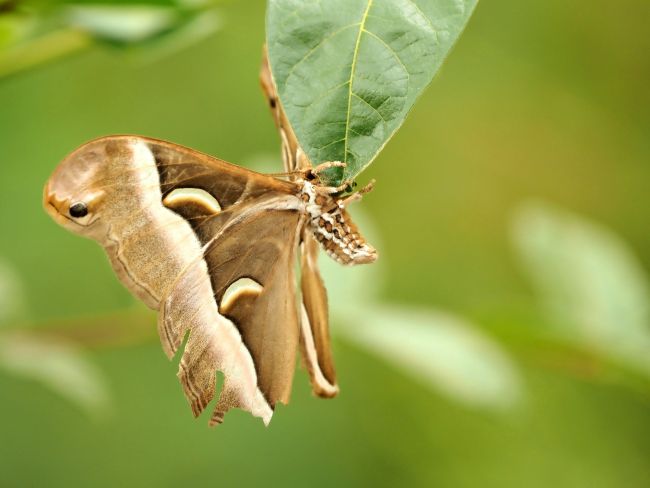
348	71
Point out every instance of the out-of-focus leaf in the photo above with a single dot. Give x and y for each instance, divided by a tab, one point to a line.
348	71
149	31
588	278
42	49
58	365
12	296
13	27
121	23
190	29
439	350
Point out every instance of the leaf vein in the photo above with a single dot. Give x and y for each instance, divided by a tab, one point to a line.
323	95
392	51
373	108
427	19
329	144
316	47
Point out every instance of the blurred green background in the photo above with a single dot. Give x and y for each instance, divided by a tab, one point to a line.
510	212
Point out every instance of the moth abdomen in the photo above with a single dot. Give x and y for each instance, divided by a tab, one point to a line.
338	235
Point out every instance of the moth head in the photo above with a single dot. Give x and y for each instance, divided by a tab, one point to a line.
105	181
76	194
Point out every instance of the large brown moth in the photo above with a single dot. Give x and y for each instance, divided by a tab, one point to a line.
212	246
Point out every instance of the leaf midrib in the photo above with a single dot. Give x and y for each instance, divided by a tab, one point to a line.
362	25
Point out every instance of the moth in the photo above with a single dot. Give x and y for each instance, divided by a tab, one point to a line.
212	246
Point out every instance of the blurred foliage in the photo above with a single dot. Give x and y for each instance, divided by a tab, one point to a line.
55	362
33	32
58	365
594	288
480	299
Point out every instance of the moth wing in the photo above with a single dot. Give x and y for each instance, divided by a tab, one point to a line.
250	330
293	156
314	324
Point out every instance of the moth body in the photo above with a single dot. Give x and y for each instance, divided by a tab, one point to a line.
333	228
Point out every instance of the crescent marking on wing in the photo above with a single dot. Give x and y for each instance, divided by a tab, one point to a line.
243	286
199	196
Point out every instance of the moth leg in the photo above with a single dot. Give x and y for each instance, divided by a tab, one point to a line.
368	188
335	189
327	165
344	202
356	196
310	174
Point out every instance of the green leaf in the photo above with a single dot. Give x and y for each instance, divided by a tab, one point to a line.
348	71
590	281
